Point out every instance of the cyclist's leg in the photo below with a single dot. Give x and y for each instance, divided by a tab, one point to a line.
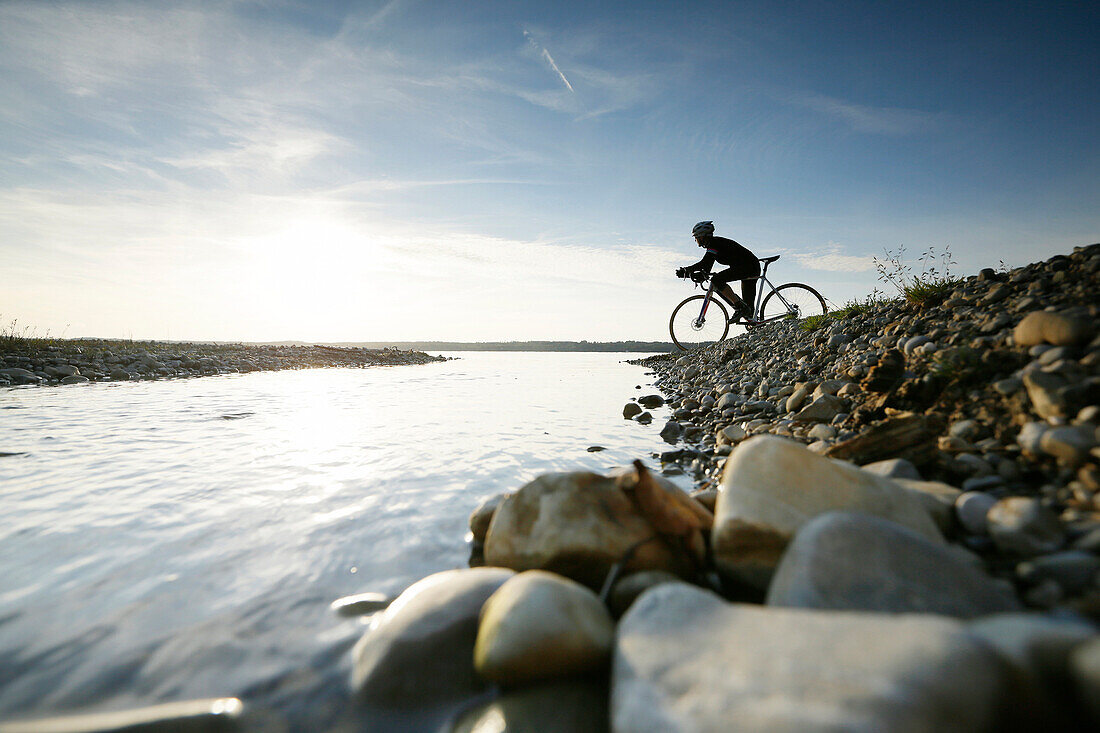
748	288
721	282
747	268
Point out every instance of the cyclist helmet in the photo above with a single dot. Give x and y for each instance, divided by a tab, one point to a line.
703	228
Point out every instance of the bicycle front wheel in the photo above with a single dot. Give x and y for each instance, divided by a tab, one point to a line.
793	300
690	327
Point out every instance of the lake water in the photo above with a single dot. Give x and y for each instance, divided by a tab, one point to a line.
178	539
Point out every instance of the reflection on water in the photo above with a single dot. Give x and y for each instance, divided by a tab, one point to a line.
183	539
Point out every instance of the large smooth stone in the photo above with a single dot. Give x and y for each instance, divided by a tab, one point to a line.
190	716
685	660
539	625
566	706
577	525
421	648
856	562
1046	327
1038	649
772	486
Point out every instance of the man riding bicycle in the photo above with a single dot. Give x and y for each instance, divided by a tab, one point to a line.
741	262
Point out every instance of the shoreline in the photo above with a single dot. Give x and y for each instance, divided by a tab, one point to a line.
56	363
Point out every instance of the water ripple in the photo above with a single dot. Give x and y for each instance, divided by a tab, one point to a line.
161	540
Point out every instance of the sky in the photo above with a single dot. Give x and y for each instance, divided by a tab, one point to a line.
413	170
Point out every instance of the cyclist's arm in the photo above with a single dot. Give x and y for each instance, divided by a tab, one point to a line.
704	264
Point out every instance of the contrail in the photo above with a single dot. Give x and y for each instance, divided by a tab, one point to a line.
546	55
550	60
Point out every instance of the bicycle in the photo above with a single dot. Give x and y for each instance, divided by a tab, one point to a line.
694	322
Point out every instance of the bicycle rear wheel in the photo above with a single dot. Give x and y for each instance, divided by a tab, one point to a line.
793	300
689	330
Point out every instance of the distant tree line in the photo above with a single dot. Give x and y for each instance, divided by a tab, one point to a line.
639	346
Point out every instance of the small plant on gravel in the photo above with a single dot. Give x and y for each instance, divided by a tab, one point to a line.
853	307
933	281
858	306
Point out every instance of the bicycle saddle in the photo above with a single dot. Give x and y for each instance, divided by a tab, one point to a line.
768	259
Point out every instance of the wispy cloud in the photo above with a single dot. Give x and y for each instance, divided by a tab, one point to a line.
892	121
831	258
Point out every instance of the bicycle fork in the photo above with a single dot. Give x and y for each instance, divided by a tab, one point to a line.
698	322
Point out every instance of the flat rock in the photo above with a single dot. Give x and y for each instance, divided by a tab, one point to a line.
577	525
772	486
856	562
685	660
540	625
420	650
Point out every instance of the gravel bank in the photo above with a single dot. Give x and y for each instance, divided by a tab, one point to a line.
42	362
992	390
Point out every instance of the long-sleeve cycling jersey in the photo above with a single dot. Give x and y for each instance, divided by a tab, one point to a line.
726	252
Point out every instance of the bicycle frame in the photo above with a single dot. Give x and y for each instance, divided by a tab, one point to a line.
760	295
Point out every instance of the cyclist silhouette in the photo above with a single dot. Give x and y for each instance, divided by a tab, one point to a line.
741	263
